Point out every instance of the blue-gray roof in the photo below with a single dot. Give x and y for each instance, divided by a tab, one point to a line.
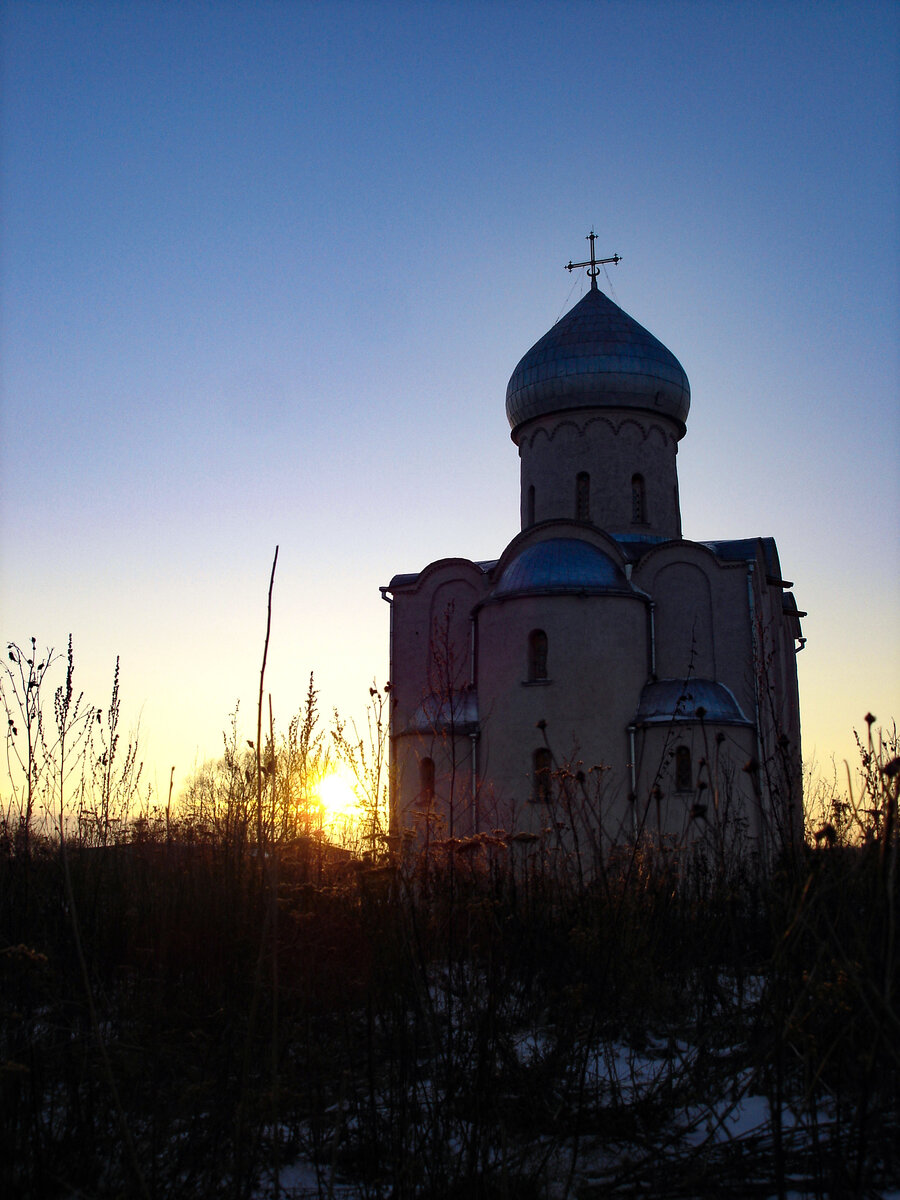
635	545
669	700
438	714
744	550
597	356
561	565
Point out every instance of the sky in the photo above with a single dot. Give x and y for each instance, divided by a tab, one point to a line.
266	269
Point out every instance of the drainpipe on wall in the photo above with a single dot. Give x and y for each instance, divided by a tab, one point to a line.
651	623
634	820
476	821
651	617
472	650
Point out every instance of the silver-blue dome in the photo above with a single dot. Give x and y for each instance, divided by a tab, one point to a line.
561	565
597	356
688	700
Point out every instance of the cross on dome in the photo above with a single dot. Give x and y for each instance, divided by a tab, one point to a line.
593	264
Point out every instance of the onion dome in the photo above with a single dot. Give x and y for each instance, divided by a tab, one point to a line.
565	566
597	356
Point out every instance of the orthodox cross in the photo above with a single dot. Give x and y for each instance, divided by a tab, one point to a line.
593	264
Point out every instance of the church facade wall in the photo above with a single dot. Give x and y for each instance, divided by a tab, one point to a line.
435	785
692	782
468	708
702	617
432	706
596	665
430	637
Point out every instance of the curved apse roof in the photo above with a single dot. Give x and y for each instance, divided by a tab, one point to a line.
685	700
561	565
597	356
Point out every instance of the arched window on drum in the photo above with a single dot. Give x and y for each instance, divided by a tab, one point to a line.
638	500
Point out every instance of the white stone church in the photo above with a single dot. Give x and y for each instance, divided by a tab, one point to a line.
604	674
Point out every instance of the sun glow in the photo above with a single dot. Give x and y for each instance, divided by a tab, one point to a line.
337	797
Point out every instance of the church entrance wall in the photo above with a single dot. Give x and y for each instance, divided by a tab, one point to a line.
596	662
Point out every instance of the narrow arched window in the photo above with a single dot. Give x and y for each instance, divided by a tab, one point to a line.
426	780
529	507
684	772
542	765
582	496
638	500
537	655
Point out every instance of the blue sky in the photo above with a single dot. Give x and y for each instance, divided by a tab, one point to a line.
267	268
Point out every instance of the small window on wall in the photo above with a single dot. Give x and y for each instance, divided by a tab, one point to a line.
426	780
542	766
529	506
537	655
638	501
684	773
582	496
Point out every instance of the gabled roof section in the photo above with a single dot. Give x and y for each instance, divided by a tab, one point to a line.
401	583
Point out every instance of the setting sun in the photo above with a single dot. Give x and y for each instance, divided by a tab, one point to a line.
337	797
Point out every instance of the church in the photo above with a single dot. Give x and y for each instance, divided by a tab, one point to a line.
605	676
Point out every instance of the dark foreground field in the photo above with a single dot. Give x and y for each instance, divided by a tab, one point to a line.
209	1000
182	1016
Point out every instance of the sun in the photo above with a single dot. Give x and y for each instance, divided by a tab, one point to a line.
337	797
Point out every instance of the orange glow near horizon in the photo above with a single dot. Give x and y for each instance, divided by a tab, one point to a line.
337	797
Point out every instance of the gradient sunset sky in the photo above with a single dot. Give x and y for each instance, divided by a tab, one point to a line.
267	268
